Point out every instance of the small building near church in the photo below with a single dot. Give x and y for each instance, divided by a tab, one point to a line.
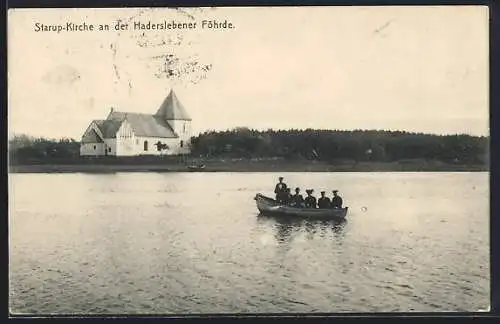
167	132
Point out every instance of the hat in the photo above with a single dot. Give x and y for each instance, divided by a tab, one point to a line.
335	191
297	189
309	190
281	178
322	192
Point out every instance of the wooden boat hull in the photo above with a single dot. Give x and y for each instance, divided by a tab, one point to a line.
196	168
269	206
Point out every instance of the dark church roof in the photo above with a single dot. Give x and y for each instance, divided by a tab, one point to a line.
108	127
91	136
172	109
144	124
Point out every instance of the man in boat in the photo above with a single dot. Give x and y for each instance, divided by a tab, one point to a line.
280	190
287	199
323	201
336	200
297	199
310	200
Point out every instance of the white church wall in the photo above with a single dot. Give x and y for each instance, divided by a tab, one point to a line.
183	129
125	140
92	149
142	143
128	144
110	146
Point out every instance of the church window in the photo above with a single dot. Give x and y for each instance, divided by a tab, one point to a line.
145	145
94	147
182	143
109	149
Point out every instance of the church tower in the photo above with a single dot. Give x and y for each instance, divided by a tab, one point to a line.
174	113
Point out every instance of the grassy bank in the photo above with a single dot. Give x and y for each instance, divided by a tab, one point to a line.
246	165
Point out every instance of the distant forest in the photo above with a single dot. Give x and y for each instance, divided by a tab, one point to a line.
24	148
309	144
331	145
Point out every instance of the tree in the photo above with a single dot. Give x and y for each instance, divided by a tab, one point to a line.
330	145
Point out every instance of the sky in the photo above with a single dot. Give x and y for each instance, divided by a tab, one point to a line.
422	69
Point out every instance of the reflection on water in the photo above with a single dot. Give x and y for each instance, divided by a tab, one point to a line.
287	227
194	243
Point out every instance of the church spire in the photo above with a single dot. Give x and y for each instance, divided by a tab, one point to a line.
172	109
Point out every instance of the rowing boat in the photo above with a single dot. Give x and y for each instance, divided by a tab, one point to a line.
194	168
270	206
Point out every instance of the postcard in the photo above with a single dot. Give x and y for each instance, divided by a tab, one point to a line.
248	160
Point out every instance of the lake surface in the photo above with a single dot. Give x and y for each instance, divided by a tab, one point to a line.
159	243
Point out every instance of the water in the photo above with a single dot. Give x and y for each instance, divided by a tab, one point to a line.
159	243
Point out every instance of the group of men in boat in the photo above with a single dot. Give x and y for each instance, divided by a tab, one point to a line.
285	197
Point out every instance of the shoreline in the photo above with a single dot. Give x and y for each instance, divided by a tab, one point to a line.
249	166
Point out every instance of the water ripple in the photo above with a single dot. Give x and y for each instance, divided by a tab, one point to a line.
194	243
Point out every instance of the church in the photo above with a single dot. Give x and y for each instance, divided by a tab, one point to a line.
167	132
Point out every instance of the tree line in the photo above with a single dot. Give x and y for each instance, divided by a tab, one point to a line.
309	144
24	148
330	145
